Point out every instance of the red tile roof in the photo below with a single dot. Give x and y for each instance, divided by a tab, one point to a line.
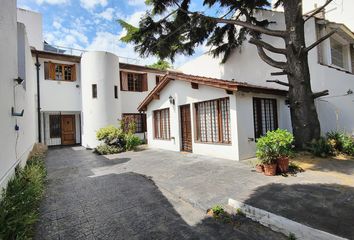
212	82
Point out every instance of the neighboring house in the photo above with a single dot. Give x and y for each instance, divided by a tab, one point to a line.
18	122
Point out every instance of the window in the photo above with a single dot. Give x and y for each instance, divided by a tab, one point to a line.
337	53
138	118
54	126
213	121
59	72
264	115
116	92
133	82
94	90
162	124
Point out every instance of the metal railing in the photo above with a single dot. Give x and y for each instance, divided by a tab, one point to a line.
79	52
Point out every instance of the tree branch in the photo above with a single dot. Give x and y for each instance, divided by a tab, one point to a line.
320	94
279	73
320	40
269	60
317	10
279	82
267	31
267	46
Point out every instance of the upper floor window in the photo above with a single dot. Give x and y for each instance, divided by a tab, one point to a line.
337	53
59	72
133	82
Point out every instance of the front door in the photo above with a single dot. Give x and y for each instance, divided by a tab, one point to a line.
186	128
68	136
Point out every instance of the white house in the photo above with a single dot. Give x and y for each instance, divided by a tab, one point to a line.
194	117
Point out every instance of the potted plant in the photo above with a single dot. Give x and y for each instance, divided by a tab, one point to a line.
266	153
274	150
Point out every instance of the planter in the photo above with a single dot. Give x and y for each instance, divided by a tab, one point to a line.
283	164
270	169
259	168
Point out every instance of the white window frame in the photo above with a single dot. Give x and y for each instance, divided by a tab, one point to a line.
346	53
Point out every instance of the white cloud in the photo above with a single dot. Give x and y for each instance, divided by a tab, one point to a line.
57	24
136	2
107	14
134	19
52	1
90	4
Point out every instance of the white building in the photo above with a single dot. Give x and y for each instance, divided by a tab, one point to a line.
331	67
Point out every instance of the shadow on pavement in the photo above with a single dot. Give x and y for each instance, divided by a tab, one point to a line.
327	207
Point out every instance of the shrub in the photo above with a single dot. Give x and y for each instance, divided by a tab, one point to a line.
132	141
105	149
20	200
321	148
109	134
348	145
274	144
341	142
218	210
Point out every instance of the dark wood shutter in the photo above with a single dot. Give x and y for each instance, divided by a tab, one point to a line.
144	87
46	70
73	72
51	71
124	81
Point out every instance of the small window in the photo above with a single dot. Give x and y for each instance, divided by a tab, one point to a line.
162	124
94	90
116	92
213	121
54	126
264	115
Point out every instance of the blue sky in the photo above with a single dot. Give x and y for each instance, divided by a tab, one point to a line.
91	24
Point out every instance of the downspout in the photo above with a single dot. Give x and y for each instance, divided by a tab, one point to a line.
37	64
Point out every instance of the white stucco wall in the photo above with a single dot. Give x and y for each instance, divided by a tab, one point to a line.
335	111
14	145
33	23
101	68
183	94
60	95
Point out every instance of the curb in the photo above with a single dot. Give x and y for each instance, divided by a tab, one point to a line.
281	224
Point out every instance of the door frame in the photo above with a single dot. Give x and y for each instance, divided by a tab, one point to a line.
181	128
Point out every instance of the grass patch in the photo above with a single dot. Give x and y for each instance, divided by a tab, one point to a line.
20	200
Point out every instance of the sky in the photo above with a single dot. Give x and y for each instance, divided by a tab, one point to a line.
92	25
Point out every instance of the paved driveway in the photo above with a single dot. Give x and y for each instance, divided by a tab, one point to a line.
136	195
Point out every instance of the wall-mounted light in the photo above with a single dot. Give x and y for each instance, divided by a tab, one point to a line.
18	80
172	100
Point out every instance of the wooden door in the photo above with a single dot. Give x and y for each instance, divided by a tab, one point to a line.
186	128
68	133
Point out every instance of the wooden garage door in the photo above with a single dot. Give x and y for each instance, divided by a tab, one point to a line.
186	128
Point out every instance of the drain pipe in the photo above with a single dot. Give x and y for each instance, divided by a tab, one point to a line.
37	64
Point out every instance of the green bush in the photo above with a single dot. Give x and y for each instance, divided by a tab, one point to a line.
109	134
335	139
321	147
218	210
131	141
105	149
348	145
273	145
20	200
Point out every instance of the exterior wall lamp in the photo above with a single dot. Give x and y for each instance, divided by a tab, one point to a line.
172	100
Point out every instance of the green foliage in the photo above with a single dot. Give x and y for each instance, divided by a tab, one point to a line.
348	145
104	149
218	210
109	134
161	65
292	236
168	29
335	139
130	30
273	145
132	141
20	200
321	148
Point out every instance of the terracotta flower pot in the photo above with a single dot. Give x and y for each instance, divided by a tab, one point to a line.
283	164
259	168
270	169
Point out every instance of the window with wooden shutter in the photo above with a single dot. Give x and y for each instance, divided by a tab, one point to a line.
133	82
59	72
265	116
213	121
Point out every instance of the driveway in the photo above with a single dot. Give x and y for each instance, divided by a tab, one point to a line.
135	195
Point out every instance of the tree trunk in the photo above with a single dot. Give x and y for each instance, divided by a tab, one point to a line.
305	123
